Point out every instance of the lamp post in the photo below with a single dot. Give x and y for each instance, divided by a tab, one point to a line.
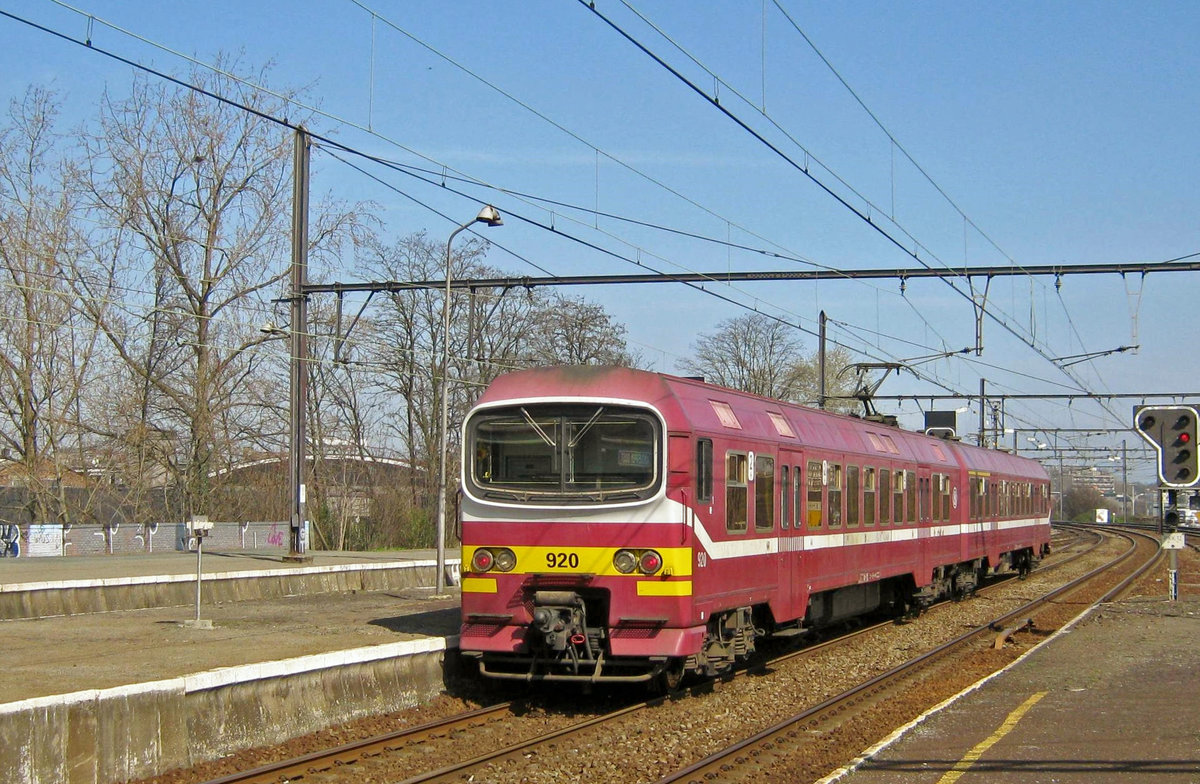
491	217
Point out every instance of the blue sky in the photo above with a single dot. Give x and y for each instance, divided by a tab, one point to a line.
1065	132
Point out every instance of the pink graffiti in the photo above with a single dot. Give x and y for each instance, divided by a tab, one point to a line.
275	538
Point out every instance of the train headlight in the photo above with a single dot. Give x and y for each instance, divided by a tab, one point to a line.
625	561
482	560
505	559
650	562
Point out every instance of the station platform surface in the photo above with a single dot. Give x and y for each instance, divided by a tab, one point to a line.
1115	698
100	650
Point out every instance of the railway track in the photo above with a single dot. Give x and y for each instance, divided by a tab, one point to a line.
749	759
571	739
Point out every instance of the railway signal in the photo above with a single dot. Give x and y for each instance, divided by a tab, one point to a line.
1171	430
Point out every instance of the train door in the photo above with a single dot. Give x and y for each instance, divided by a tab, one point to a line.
929	545
791	542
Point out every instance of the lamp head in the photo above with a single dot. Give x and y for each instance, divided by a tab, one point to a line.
489	215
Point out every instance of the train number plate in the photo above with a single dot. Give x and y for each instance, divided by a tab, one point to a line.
562	560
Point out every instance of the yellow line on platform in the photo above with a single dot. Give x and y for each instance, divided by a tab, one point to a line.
963	765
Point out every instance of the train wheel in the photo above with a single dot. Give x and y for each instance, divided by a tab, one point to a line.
669	679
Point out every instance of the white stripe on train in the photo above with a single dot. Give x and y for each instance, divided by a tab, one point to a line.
669	512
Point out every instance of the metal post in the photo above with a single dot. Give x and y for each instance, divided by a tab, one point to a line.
1062	480
1124	481
821	363
444	459
299	349
982	412
491	217
1173	574
199	571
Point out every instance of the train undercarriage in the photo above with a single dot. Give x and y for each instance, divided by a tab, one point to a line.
568	639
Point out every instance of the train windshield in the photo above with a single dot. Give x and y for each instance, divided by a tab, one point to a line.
575	454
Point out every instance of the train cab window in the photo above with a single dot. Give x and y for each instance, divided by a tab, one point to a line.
834	494
764	493
852	496
564	453
910	485
736	477
704	470
813	507
785	497
885	496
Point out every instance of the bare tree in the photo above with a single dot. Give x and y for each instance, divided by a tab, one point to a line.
46	350
761	355
195	197
573	331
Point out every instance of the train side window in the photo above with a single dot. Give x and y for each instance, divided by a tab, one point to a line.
898	495
885	496
869	500
834	494
735	492
852	496
704	470
923	499
797	491
785	497
764	493
945	497
813	506
910	484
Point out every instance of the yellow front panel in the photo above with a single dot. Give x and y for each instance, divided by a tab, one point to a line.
478	585
677	561
664	588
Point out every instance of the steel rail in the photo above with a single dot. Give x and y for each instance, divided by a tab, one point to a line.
349	753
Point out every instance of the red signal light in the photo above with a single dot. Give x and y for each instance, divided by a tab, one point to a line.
1185	438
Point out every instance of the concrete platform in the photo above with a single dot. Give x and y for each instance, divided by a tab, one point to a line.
45	587
120	694
1115	698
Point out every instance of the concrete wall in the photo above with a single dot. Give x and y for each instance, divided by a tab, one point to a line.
71	597
111	735
155	538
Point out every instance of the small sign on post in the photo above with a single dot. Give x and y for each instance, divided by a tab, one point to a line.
199	526
1173	543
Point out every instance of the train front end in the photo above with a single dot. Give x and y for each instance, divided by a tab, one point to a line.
576	563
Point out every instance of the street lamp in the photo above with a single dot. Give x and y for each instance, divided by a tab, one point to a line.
491	217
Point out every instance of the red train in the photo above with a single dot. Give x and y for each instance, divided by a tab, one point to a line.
621	525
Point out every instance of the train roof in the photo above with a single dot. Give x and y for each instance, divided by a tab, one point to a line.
690	404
